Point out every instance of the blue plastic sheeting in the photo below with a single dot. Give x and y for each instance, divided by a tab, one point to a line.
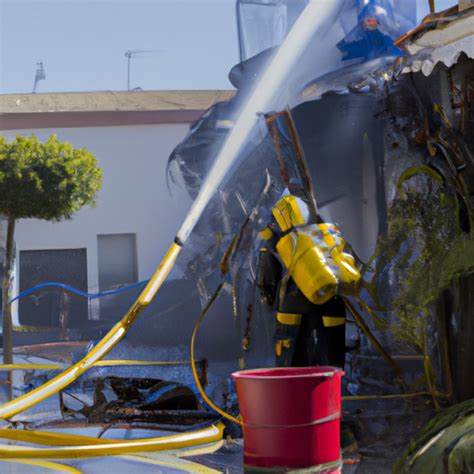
379	23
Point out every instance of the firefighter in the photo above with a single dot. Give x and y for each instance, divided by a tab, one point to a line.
302	268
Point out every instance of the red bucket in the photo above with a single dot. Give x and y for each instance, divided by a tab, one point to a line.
291	417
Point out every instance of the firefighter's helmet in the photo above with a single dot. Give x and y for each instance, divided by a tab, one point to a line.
290	212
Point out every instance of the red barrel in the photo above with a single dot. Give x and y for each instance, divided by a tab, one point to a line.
291	416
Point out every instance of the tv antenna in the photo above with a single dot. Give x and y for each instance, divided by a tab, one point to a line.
39	76
132	53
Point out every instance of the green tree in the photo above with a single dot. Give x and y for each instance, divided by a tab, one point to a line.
49	181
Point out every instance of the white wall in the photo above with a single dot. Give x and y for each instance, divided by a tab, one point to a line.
134	196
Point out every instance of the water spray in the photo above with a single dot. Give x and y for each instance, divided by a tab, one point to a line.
318	16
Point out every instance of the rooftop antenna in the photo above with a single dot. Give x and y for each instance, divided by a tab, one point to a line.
40	75
132	53
129	54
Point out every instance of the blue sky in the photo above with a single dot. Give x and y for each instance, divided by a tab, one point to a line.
82	43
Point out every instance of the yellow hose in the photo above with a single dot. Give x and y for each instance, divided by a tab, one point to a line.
109	341
51	438
74	446
92	447
100	363
113	362
193	363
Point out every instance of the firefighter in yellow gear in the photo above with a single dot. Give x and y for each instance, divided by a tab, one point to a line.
303	271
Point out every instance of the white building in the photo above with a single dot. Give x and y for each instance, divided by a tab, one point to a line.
122	239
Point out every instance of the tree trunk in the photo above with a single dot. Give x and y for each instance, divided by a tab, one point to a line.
6	309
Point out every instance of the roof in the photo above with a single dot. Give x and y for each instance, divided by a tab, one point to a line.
111	101
439	38
80	109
